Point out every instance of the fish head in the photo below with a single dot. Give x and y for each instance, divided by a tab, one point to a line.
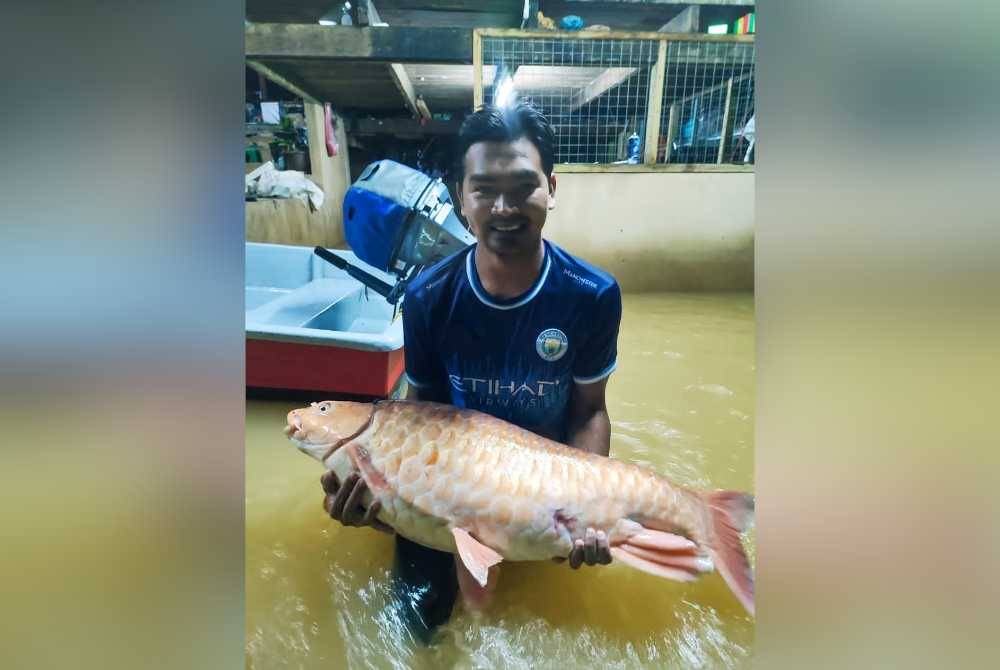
320	428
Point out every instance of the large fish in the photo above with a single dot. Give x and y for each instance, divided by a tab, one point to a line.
465	482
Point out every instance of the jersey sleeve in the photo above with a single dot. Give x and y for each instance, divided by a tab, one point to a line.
424	369
599	355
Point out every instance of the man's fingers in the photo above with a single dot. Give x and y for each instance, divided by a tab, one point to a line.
371	518
372	512
337	506
384	527
353	514
576	556
590	547
603	548
330	482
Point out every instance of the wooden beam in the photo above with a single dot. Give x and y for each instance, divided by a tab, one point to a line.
655	106
423	109
613	35
281	81
608	79
727	122
401	127
711	89
405	87
387	44
477	6
658	167
732	3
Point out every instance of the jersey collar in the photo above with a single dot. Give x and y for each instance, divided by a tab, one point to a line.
524	298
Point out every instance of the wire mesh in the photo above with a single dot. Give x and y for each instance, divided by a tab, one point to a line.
595	92
708	93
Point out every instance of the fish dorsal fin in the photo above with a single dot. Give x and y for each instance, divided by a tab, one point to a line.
477	557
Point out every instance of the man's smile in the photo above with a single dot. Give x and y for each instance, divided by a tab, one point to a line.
507	227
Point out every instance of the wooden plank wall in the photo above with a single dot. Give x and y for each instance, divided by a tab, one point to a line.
291	221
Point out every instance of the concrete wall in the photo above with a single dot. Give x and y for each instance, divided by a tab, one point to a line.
659	231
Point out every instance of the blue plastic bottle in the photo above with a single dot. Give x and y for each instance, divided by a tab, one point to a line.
633	148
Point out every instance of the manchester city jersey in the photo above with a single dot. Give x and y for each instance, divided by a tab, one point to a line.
516	359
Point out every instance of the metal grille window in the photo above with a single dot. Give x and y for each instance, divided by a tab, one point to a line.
594	91
708	103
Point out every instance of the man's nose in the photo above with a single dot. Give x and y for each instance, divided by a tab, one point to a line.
503	204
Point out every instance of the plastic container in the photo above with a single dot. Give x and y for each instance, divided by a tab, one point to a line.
634	146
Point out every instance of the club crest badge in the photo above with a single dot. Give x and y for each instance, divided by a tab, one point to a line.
551	344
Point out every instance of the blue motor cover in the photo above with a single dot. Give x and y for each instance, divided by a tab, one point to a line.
377	207
396	218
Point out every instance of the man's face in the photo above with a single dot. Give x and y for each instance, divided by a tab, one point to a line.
505	196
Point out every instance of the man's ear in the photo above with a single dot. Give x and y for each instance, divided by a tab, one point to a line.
552	191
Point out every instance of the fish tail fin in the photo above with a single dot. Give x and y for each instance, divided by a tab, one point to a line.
732	513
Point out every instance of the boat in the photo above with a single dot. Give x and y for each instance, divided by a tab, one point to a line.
310	326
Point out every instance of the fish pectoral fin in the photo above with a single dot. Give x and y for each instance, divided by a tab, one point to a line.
362	461
476	557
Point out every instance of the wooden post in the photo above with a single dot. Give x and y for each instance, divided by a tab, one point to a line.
655	105
672	123
262	82
477	70
725	139
332	173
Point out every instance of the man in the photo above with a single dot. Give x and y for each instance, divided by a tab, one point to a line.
513	326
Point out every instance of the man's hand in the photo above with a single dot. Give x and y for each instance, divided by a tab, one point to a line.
343	502
592	549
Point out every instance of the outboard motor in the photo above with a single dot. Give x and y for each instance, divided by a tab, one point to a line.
398	220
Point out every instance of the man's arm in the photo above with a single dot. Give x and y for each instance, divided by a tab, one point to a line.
430	394
589	424
590	430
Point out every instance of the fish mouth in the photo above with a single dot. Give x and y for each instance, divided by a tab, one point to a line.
294	431
299	436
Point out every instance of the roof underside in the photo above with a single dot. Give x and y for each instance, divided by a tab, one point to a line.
367	85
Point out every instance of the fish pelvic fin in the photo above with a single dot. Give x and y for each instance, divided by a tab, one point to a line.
732	513
474	596
476	557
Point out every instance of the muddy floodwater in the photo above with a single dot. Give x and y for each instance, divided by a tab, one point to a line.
681	403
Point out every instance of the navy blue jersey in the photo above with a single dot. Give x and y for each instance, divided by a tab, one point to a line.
516	359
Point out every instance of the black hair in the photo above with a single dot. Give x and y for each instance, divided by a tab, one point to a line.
506	124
